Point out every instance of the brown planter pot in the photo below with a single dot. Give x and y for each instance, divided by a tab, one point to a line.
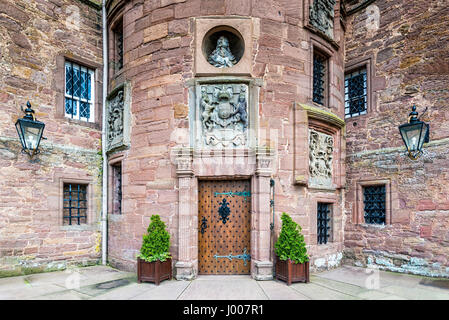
155	271
288	271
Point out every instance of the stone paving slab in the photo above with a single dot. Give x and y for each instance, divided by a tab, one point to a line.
220	288
167	290
415	293
126	292
316	292
276	290
338	286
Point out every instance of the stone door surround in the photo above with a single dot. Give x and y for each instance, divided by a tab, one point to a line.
253	164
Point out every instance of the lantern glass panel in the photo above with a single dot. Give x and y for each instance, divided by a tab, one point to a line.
413	135
30	133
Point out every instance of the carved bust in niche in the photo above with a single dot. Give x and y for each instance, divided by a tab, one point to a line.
321	148
222	57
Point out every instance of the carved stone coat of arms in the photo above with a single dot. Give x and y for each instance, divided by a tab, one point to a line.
224	114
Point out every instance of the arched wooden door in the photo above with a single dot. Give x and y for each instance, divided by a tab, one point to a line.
224	222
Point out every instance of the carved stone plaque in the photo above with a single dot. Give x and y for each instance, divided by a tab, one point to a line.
115	121
321	148
322	16
223	110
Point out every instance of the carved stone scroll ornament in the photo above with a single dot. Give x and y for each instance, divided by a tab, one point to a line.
115	121
321	148
322	16
222	57
224	115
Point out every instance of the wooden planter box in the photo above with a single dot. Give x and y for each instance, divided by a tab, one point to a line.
288	271
155	271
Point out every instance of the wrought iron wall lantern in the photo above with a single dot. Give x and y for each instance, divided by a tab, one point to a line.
30	131
414	133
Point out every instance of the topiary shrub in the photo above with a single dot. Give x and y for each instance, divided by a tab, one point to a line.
155	244
291	244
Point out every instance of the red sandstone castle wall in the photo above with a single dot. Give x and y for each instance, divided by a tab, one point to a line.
158	60
409	51
34	38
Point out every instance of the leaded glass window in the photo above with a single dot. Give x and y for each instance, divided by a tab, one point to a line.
374	203
79	92
323	223
75	204
355	93
319	77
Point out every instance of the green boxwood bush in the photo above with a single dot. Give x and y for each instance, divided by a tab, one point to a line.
291	244
155	244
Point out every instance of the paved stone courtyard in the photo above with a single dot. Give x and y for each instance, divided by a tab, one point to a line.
106	283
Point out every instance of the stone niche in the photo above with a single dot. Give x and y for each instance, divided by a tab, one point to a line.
224	113
117	118
223	46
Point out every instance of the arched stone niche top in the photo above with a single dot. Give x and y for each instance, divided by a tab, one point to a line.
238	32
233	51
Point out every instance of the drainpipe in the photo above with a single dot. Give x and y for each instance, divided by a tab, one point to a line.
104	213
272	226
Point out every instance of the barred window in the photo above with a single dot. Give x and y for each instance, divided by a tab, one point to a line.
355	93
117	188
79	92
118	35
319	77
374	204
324	223
75	204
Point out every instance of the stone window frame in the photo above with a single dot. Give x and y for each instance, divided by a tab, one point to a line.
331	199
116	23
353	65
115	19
115	159
321	47
90	223
358	213
59	84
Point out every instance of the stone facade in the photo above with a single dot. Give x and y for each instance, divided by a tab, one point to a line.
223	89
405	45
35	39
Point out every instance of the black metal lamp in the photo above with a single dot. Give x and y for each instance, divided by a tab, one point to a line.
30	131
414	134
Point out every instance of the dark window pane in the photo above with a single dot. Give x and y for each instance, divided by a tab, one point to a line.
374	201
319	75
323	223
117	189
75	204
355	93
